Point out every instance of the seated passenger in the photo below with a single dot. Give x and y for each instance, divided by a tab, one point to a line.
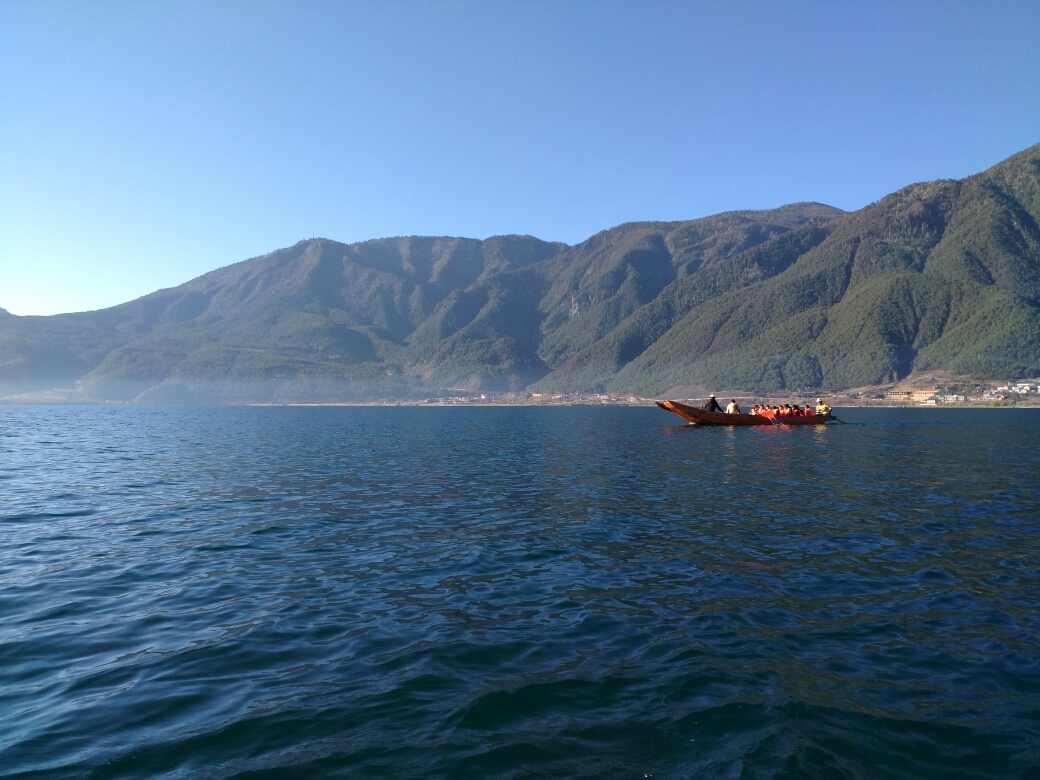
809	411
712	405
821	407
732	408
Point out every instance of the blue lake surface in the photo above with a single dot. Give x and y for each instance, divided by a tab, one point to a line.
517	593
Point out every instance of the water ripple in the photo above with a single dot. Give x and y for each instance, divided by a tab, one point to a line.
516	593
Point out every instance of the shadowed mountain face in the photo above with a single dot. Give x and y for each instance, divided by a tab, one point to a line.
317	320
942	275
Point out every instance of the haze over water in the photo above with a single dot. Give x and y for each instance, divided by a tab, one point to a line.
517	592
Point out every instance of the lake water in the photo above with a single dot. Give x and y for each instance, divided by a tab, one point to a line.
515	593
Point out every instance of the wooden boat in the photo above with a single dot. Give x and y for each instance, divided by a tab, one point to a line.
701	417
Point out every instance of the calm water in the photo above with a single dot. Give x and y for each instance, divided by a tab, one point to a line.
514	593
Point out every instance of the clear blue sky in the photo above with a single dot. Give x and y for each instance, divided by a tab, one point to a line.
145	143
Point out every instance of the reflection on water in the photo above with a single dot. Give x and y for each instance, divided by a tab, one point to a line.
524	592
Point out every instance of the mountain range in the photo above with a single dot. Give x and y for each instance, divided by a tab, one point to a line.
938	275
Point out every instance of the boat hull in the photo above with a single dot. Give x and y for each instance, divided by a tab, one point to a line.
700	417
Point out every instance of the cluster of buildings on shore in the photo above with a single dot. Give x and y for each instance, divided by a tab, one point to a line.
1018	388
936	396
924	397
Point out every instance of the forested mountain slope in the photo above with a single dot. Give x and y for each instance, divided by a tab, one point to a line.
318	319
937	275
940	275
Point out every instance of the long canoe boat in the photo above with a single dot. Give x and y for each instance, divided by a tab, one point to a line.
701	417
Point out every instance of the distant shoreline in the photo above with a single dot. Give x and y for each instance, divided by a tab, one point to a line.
1031	402
647	404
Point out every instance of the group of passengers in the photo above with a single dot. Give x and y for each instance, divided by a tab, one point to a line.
786	410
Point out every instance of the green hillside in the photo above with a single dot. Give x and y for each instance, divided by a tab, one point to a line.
939	275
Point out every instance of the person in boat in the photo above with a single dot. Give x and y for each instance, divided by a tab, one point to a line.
733	408
754	410
712	405
821	407
809	411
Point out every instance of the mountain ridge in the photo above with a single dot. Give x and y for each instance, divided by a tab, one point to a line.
937	275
